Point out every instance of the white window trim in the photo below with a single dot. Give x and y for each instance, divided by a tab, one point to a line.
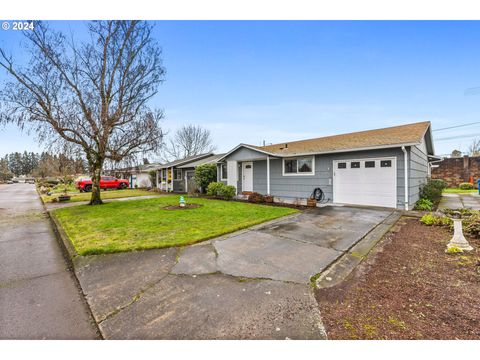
222	178
299	173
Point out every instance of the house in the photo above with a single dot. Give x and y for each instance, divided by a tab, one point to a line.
382	167
177	176
137	176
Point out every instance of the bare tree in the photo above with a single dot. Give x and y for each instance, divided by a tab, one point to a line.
189	140
474	148
93	95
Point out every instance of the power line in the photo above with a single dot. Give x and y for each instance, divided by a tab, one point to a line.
457	126
458	137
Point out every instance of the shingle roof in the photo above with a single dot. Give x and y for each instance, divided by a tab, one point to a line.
188	159
396	135
207	160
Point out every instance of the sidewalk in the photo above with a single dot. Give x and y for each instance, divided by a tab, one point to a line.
460	201
39	297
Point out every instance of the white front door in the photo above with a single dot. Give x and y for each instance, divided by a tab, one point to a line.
365	182
247	176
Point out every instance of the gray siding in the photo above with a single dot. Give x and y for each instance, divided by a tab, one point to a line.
242	154
301	187
418	173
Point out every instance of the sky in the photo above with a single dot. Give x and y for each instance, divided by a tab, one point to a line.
276	81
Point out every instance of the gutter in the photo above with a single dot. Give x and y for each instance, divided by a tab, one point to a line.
405	166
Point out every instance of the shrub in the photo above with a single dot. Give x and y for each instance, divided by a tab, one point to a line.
438	183
213	188
471	225
453	250
424	205
465	186
204	175
432	191
436	220
220	190
227	192
256	198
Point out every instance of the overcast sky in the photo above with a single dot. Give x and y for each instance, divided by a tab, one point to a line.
279	81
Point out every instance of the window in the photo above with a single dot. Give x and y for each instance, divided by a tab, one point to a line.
223	171
369	164
177	174
355	164
342	165
299	166
291	166
386	163
304	165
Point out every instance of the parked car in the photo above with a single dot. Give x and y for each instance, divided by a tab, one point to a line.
9	182
106	182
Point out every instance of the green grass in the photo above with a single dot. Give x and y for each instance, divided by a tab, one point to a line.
109	194
145	224
458	191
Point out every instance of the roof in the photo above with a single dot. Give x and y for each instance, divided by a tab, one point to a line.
183	161
410	134
208	160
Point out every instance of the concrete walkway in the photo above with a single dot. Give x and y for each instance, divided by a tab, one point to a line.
39	298
460	201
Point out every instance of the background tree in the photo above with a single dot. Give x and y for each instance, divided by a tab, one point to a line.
189	140
93	95
456	154
474	148
5	173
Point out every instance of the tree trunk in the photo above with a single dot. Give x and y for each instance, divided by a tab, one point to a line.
96	173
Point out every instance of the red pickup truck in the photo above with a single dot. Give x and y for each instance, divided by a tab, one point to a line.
106	182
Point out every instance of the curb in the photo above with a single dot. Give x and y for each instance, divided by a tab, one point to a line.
342	267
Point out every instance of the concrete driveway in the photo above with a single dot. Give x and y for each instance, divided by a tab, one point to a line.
254	284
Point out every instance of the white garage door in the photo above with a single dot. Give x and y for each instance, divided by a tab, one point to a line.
365	182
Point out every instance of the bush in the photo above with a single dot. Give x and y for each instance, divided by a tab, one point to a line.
471	225
432	191
436	220
424	205
204	175
220	190
256	198
213	188
227	192
465	186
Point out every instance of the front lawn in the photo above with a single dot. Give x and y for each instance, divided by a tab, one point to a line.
109	194
145	224
458	191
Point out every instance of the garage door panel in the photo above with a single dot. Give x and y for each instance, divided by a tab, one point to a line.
374	185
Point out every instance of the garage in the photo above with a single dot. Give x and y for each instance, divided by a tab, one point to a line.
371	182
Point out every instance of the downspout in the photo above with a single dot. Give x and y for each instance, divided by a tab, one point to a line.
405	169
268	175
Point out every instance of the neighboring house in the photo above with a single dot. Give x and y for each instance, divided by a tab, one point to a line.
383	167
138	176
177	176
